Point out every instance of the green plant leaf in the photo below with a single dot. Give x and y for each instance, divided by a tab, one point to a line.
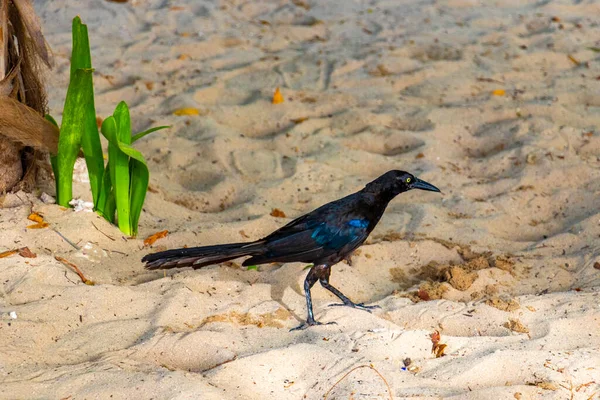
106	200
90	140
140	177
146	132
51	119
70	135
129	179
594	49
118	163
80	56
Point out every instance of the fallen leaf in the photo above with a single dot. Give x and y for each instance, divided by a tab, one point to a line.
437	348
8	253
187	111
149	85
149	241
420	155
499	92
299	120
39	225
183	57
597	265
277	97
26	253
35	217
573	59
277	213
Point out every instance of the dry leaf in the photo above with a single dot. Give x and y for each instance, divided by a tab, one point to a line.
499	92
299	120
34	28
8	253
35	217
149	241
39	225
420	155
573	60
437	348
149	85
277	97
26	253
187	111
183	57
24	125
277	213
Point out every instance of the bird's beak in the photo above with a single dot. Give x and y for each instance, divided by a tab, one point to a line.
419	184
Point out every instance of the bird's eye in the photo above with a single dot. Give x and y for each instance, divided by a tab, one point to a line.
408	180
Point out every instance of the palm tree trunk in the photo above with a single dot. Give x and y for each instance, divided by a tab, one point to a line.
25	137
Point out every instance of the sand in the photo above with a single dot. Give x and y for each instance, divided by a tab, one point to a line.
496	103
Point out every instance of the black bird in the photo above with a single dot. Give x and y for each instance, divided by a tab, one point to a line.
322	237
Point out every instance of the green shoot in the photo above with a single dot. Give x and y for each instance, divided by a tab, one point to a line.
119	188
126	172
78	128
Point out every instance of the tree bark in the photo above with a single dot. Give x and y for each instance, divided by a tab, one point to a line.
22	53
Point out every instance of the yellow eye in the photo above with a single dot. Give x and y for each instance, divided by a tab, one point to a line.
408	180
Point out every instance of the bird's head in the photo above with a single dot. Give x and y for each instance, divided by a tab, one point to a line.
395	182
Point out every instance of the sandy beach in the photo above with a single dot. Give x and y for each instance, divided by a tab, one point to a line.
495	103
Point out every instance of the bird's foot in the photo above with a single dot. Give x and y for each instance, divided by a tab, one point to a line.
307	324
360	306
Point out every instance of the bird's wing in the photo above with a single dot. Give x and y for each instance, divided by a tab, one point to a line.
315	236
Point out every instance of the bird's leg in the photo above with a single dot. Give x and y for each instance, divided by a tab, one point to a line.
324	280
311	279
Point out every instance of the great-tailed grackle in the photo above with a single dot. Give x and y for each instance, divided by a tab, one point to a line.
322	237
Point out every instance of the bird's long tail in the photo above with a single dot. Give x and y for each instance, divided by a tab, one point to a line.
198	257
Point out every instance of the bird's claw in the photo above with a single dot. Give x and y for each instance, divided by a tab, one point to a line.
308	324
359	306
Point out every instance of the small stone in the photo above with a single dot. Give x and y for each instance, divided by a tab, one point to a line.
46	198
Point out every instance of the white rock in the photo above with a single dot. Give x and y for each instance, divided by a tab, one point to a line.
80	205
